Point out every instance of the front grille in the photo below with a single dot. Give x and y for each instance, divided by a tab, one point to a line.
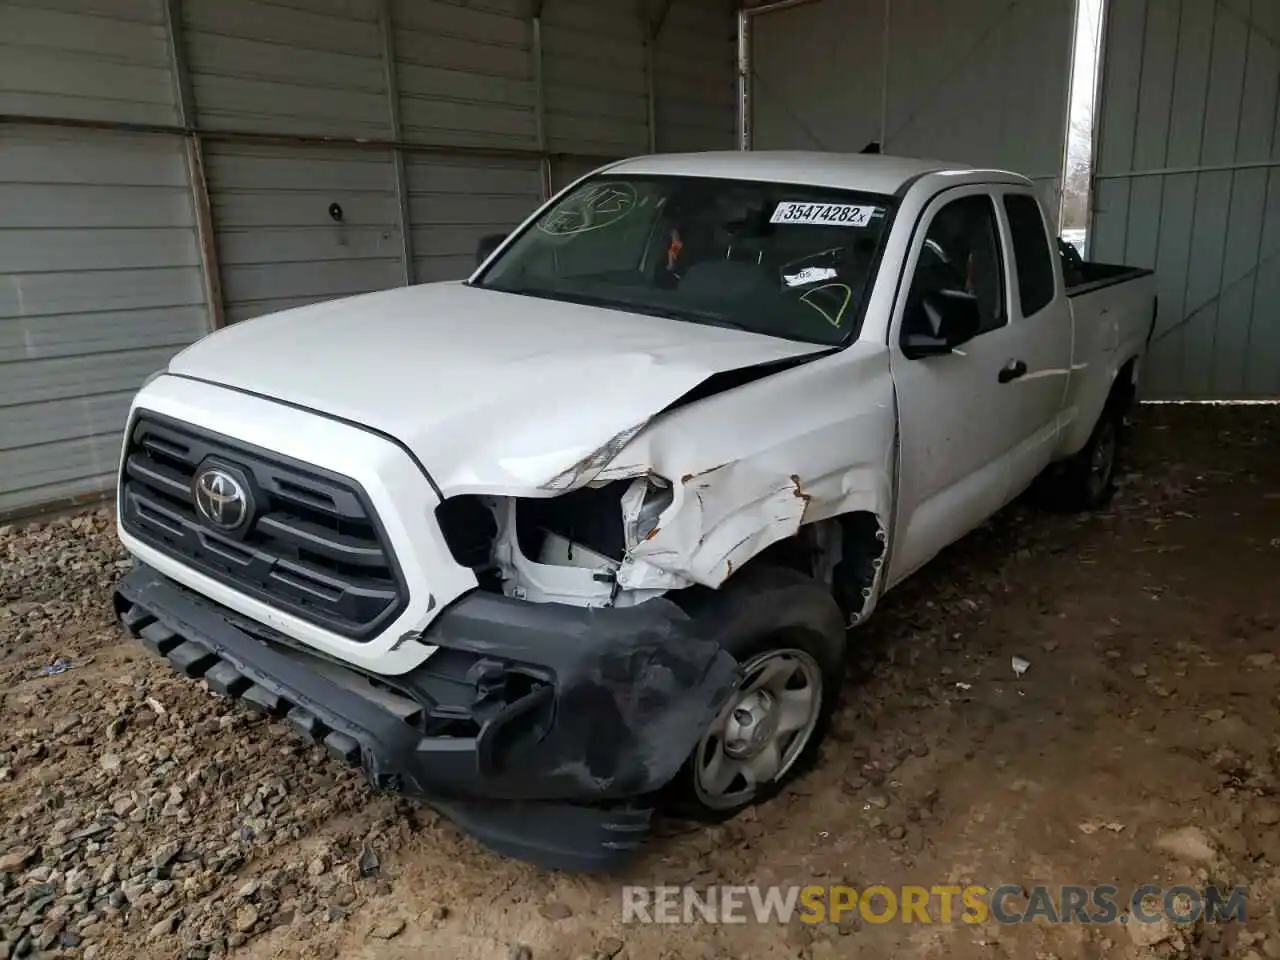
312	546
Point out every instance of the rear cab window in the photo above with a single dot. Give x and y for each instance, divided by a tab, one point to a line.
1032	256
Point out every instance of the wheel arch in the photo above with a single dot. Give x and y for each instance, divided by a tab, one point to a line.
1094	402
847	553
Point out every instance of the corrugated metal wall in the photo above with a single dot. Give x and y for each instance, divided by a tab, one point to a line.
595	77
466	73
99	264
466	76
452	205
1187	185
272	68
278	245
76	58
817	76
99	284
695	108
300	67
102	268
974	81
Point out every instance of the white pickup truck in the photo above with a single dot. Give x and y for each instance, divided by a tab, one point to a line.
579	538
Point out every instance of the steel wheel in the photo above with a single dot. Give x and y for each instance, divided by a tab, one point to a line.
763	729
1102	461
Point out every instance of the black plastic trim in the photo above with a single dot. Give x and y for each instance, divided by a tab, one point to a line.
727	380
905	187
562	776
1132	273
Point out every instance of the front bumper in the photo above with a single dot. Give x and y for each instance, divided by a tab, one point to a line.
542	729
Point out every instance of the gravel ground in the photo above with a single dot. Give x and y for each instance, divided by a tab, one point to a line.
140	816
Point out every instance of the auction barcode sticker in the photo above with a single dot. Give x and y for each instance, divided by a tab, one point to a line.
827	214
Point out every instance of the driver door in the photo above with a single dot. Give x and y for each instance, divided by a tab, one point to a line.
956	424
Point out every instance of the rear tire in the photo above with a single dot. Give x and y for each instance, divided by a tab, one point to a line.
1086	481
788	633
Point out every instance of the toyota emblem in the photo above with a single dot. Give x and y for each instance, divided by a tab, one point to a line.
221	498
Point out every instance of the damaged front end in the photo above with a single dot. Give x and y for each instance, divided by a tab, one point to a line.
733	470
572	549
541	728
544	710
622	542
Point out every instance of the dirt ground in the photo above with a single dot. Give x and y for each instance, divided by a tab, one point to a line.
142	817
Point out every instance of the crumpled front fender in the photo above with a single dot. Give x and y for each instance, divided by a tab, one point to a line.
720	520
752	466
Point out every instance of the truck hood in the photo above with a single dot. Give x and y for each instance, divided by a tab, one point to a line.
492	392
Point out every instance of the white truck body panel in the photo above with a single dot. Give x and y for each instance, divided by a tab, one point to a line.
1108	339
751	465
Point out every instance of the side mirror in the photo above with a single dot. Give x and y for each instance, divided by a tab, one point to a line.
487	245
939	322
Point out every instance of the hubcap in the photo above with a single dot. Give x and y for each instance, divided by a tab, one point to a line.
763	729
751	724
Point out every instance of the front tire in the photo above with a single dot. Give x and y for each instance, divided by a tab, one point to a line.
789	635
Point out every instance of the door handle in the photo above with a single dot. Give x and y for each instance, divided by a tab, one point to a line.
1012	371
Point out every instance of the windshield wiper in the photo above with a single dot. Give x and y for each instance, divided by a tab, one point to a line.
690	315
687	314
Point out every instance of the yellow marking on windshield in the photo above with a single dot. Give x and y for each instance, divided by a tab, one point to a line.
844	288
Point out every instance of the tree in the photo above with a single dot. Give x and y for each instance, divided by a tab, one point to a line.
1075	188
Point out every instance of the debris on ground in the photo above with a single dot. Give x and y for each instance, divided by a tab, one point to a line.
1090	827
61	665
143	817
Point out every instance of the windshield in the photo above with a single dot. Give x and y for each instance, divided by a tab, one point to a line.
786	261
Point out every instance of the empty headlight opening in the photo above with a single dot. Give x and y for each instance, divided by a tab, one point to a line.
563	549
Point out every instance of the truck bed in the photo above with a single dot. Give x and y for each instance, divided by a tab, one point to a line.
1085	276
1113	308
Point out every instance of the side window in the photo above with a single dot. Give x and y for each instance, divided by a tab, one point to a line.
1031	251
962	253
